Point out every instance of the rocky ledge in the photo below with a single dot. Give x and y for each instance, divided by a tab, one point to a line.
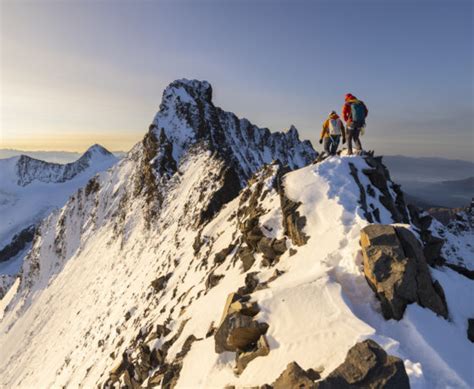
396	269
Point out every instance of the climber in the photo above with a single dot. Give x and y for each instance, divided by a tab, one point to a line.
331	133
354	113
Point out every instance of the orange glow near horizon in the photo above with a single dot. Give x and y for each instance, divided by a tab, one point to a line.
76	142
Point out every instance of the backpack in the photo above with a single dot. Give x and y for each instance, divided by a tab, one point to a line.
358	112
334	127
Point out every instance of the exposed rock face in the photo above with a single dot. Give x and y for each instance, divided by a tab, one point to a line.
396	270
255	241
363	196
379	177
293	377
18	243
367	365
432	245
240	333
229	189
246	256
213	280
242	359
293	222
135	366
160	283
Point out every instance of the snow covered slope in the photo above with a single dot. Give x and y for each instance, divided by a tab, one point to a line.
129	280
31	188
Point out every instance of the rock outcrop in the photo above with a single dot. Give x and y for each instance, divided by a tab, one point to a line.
293	222
379	177
18	243
242	359
238	332
395	268
293	377
367	365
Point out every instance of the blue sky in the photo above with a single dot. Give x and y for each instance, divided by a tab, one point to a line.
75	73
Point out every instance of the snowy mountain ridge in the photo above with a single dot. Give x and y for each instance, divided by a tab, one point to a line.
29	169
199	260
30	190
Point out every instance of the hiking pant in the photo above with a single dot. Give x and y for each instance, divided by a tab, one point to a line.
331	144
352	134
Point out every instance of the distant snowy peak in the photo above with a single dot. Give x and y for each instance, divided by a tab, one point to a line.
187	115
30	169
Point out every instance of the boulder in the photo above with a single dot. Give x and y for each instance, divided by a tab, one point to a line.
265	246
244	358
251	232
396	269
222	255
212	280
251	283
162	330
367	365
293	377
245	254
238	332
160	283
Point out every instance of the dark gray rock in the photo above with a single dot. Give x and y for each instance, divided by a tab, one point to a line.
395	268
293	377
222	255
160	283
18	243
251	283
242	359
245	254
212	280
238	332
367	365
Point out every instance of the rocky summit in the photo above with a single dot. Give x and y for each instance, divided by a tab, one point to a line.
217	254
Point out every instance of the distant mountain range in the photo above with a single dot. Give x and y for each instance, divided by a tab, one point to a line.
50	156
32	188
428	182
433	182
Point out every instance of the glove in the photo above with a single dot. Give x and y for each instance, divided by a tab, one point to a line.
320	141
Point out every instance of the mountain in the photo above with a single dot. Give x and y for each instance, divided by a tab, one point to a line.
218	254
433	182
49	156
31	188
451	193
425	169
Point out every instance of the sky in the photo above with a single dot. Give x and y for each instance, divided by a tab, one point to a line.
79	72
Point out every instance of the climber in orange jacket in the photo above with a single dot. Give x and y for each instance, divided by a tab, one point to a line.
354	113
331	133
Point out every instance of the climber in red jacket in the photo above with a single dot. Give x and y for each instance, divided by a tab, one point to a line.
354	113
